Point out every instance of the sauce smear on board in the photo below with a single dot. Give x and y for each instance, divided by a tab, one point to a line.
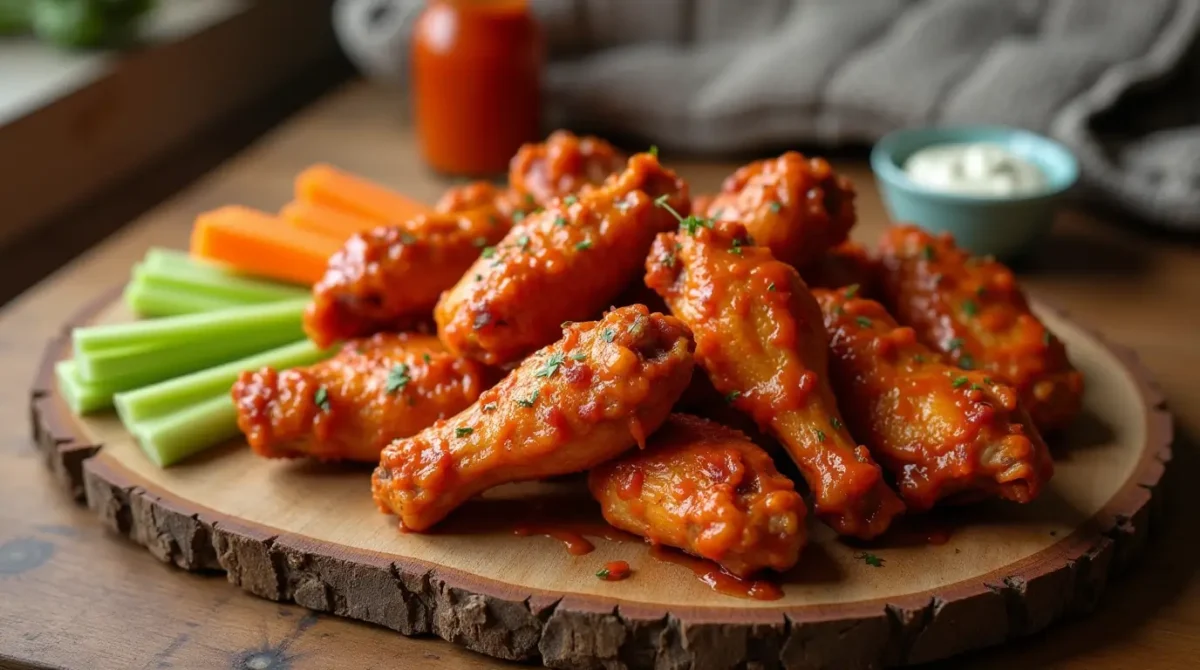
717	579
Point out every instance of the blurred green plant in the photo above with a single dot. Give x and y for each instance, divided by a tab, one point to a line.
75	24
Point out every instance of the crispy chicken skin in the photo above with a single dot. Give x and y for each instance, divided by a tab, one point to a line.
972	310
796	206
941	431
760	336
561	165
566	262
482	195
352	405
706	489
596	392
847	264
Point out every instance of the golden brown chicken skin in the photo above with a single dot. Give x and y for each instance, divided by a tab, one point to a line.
972	310
561	165
352	405
847	264
388	277
596	392
760	336
564	263
482	195
706	489
796	206
941	431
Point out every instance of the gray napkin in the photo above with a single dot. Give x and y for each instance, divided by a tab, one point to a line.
1115	80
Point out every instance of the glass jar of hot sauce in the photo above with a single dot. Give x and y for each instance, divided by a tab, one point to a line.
476	83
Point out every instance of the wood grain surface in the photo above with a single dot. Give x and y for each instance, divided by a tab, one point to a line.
75	598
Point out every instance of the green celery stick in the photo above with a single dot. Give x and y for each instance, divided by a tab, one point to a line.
155	300
176	268
81	397
172	395
152	362
224	324
173	437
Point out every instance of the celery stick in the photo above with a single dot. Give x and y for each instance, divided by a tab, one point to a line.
222	324
174	268
172	395
81	397
155	300
173	437
152	362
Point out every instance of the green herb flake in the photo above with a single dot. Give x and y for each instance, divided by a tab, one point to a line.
427	358
602	573
608	334
653	150
775	207
870	559
584	245
771	287
553	362
578	357
851	291
918	358
820	435
518	217
966	362
988	381
463	431
489	407
408	238
478	277
638	326
523	242
975	387
321	397
959	382
970	307
560	221
835	422
529	403
570	200
488	252
954	343
732	396
862	321
529	200
479	242
397	378
736	247
927	252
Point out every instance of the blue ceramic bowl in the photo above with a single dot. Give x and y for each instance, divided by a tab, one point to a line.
1004	226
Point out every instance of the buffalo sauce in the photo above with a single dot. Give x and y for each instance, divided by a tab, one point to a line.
717	579
476	77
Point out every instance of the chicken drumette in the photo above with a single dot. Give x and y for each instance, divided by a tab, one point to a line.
352	405
760	336
972	310
707	489
581	401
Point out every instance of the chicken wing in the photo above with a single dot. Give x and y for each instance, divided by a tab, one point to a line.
386	278
596	392
847	264
796	206
564	263
352	405
482	195
760	336
942	432
708	490
561	165
972	310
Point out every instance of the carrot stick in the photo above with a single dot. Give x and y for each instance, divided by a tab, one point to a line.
333	188
260	244
325	220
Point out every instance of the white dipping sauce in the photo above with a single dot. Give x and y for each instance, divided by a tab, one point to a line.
974	169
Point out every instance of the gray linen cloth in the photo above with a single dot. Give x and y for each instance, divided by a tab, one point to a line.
1118	81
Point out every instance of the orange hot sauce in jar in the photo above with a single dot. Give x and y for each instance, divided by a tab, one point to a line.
476	83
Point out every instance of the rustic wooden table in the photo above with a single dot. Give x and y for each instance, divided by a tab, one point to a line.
72	595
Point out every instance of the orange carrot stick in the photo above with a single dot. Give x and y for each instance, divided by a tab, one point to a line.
261	244
325	220
333	188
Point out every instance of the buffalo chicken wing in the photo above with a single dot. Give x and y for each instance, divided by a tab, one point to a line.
760	336
581	401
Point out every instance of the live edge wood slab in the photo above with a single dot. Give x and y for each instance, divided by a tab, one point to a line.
292	531
72	598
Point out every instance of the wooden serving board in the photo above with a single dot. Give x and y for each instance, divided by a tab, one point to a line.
311	534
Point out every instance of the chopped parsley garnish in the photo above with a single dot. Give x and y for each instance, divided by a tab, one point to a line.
408	238
975	387
427	358
397	378
653	150
602	573
463	431
560	221
690	223
954	343
488	252
775	207
918	358
959	382
523	242
489	407
478	277
529	199
835	422
927	252
870	559
529	403
553	362
479	242
851	291
570	200
820	435
863	321
583	246
608	334
988	381
732	396
518	217
669	259
966	362
736	247
579	356
321	397
771	287
970	308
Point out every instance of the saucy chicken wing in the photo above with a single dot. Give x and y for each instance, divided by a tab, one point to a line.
566	262
760	336
561	165
352	405
847	264
797	207
972	310
708	490
482	195
596	392
942	432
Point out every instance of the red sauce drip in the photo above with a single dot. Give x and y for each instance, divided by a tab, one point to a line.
575	542
615	571
718	579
